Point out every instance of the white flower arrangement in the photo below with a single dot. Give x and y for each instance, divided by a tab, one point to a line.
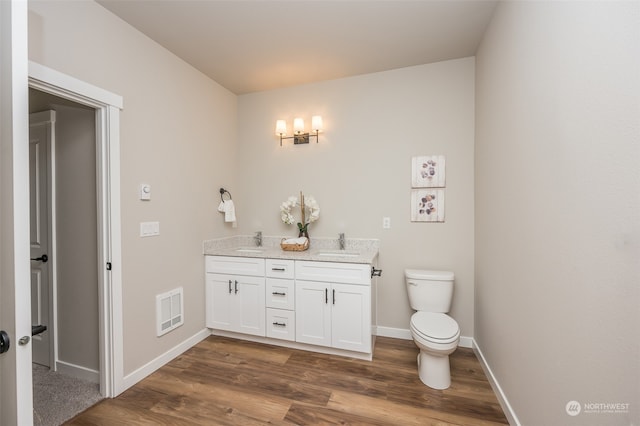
306	203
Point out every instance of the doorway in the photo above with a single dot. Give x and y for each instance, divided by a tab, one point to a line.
65	285
64	256
105	108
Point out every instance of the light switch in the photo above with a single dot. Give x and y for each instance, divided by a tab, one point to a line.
145	191
149	229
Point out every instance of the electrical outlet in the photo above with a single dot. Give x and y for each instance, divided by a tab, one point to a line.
386	223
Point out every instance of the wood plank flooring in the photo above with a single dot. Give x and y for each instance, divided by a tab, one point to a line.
223	381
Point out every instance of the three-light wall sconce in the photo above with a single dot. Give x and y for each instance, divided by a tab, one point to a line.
300	136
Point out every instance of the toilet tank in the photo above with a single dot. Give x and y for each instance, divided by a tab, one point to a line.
429	291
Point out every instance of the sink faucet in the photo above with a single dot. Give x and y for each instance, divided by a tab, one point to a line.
341	240
258	238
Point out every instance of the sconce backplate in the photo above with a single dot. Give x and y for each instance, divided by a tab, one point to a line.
300	139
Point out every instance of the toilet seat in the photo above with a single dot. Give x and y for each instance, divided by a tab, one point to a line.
435	327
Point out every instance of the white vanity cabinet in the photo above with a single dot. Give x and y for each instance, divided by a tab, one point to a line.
305	304
333	305
235	294
280	299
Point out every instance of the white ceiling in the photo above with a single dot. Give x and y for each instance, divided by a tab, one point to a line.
254	45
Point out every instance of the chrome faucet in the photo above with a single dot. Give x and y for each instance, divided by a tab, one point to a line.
258	238
341	240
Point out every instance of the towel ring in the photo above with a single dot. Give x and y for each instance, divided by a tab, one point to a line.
222	192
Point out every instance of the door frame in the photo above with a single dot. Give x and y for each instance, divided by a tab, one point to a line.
107	106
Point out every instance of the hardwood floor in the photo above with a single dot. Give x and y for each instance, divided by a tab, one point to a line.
224	381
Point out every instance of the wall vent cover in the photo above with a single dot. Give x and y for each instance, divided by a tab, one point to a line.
169	311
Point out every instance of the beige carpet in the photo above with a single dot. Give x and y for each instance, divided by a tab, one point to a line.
57	397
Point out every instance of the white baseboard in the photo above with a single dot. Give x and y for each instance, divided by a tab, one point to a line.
396	333
401	333
502	398
142	372
78	371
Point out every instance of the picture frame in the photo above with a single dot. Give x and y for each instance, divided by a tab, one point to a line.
428	171
427	205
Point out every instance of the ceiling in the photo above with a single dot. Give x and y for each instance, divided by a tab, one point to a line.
255	45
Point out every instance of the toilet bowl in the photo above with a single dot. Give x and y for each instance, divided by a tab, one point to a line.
437	336
434	332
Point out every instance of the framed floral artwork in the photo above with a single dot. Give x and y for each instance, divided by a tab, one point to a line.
428	171
427	205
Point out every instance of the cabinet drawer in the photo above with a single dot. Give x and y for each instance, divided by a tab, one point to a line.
281	324
234	265
347	273
279	268
280	294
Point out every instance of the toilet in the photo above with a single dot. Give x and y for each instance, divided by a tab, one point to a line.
434	332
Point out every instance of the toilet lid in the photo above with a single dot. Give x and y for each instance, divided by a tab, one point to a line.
435	326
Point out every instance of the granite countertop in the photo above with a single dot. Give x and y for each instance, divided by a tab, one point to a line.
320	249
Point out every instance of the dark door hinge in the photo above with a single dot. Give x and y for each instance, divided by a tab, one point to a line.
108	266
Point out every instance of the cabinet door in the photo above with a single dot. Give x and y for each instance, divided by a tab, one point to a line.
313	313
351	317
249	305
220	302
235	303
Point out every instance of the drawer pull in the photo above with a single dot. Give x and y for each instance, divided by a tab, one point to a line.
278	269
276	293
280	324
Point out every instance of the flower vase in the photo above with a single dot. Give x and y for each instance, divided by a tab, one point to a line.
304	233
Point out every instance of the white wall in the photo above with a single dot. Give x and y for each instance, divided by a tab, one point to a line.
360	170
178	133
558	207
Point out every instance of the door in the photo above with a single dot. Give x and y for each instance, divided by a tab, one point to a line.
351	317
219	302
250	299
313	313
40	136
16	405
235	303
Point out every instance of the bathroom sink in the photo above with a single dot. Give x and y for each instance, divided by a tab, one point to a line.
340	253
249	250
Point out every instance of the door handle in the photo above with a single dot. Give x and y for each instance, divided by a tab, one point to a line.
236	283
334	296
5	342
229	286
44	258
